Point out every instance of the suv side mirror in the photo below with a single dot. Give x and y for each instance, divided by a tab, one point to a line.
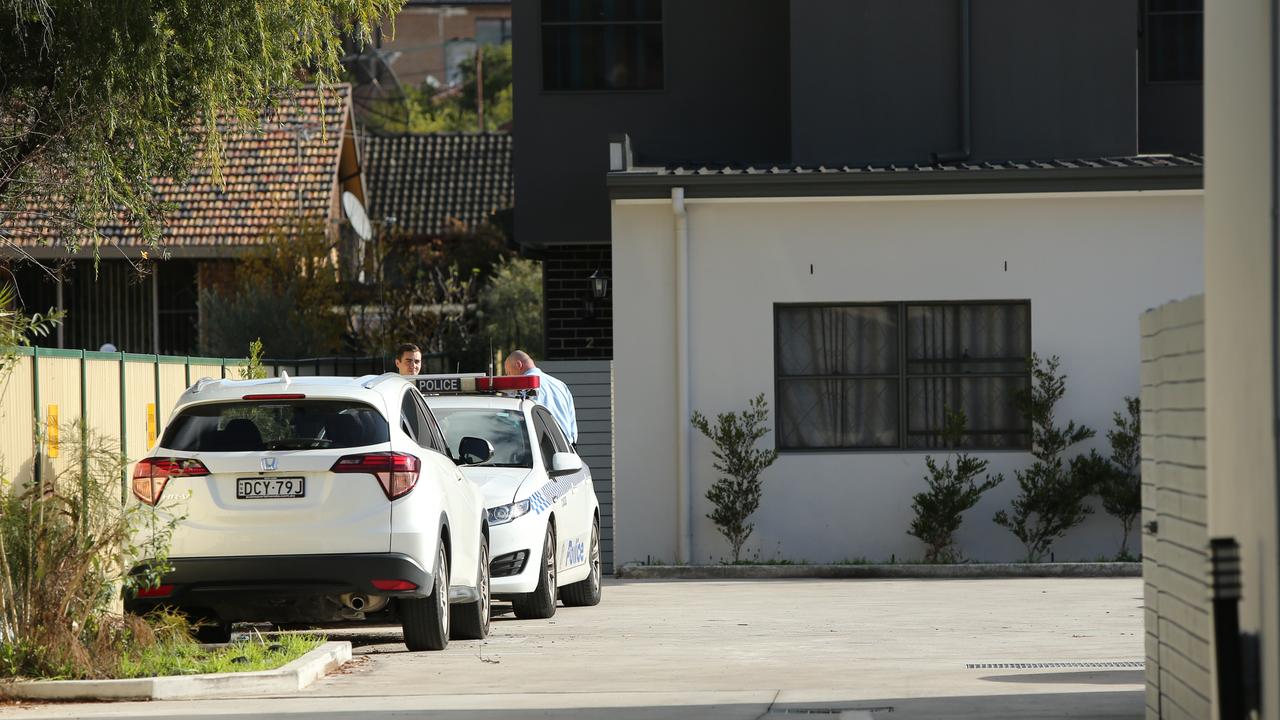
563	463
474	451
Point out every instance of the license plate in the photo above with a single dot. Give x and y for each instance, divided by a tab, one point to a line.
264	488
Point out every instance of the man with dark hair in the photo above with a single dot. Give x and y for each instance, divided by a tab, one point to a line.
409	359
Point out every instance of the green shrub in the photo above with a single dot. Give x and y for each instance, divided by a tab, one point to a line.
736	493
953	490
1120	486
1053	491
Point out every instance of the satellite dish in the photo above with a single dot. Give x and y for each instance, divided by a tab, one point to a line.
355	213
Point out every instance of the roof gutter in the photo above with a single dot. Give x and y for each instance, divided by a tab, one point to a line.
966	90
903	181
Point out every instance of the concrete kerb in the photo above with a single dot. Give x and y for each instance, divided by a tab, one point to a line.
635	571
292	677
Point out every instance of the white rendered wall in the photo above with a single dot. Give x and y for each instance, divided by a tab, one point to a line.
1089	264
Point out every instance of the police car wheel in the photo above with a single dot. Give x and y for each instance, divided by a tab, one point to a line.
586	592
541	603
470	621
426	620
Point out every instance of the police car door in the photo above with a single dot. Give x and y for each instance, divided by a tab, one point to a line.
575	527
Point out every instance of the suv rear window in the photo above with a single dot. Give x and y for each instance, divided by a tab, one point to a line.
275	425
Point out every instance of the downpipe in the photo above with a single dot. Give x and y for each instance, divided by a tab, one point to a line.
684	485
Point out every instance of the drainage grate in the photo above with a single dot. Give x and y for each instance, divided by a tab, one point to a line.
830	712
1107	664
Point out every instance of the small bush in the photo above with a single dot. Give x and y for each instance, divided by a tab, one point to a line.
736	494
1053	491
953	490
1120	484
66	547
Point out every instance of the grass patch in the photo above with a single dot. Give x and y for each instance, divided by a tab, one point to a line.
176	657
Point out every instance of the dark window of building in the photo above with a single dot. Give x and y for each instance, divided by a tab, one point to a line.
601	45
1175	40
883	376
493	31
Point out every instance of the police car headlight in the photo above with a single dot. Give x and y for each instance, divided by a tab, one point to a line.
507	513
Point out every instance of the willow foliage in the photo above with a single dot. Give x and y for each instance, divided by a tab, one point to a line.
99	96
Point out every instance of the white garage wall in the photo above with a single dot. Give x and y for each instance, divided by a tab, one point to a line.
1089	264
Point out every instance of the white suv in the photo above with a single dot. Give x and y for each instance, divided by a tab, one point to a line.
313	500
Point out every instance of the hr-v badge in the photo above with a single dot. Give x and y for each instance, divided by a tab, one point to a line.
268	464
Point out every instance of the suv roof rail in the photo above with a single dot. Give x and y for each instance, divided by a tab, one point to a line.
201	384
377	379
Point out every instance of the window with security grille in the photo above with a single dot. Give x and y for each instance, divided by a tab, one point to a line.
883	376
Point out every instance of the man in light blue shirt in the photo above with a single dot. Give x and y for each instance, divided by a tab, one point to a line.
551	392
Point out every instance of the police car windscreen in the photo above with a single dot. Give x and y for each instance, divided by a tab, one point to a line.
275	425
504	429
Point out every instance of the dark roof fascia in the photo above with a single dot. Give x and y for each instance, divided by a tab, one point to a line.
131	252
636	185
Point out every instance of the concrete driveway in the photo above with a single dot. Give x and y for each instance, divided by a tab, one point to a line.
750	649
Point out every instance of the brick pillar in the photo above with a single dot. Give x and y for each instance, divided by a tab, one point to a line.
578	327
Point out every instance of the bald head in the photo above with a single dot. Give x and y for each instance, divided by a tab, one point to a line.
518	363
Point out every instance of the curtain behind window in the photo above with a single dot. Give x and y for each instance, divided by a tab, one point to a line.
838	384
967	357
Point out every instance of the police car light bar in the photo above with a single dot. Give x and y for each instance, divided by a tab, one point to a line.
508	383
458	384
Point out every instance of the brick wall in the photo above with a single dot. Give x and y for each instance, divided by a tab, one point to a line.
579	327
1175	556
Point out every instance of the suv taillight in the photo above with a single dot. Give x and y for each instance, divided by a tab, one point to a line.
397	472
150	475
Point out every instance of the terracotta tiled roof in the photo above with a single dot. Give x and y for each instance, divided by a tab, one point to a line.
428	182
270	177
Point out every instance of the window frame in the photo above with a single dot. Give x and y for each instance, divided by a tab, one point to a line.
434	438
902	376
553	427
1145	27
540	428
542	82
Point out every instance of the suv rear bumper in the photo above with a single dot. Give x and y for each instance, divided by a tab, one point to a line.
279	587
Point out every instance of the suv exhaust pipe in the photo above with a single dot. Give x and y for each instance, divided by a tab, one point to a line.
362	603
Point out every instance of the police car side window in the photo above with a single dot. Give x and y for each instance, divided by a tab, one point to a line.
557	435
409	416
545	442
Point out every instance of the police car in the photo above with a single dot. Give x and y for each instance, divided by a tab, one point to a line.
542	507
315	500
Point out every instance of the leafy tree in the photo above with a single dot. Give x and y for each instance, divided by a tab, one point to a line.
736	494
511	306
287	290
952	491
1121	485
429	109
1052	491
98	98
17	328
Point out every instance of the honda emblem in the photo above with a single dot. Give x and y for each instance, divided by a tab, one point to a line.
268	464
